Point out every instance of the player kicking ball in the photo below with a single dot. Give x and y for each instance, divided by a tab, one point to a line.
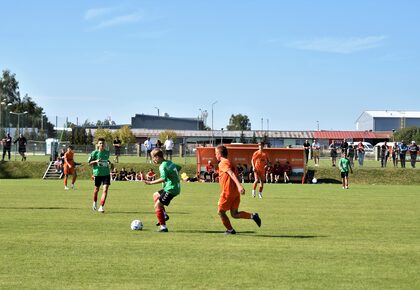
169	176
231	190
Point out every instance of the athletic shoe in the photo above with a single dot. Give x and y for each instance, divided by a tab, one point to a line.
256	219
231	232
101	209
260	194
66	188
347	187
166	218
165	230
94	206
343	187
72	186
253	193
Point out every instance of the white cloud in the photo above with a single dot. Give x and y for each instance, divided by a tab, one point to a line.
97	12
119	20
340	45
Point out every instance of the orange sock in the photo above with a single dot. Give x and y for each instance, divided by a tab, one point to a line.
160	215
244	215
226	222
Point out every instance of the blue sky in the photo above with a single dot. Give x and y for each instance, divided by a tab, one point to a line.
292	63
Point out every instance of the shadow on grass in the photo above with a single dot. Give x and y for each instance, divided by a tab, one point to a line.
38	208
252	234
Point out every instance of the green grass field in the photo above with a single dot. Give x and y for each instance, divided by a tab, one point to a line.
312	237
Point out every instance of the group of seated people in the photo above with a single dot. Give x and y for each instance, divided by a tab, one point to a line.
273	173
124	175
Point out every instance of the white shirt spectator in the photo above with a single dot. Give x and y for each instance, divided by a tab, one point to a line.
148	145
169	144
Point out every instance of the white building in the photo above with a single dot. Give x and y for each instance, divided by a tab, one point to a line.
387	120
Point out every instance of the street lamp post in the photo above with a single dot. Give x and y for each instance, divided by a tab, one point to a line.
18	122
1	120
157	111
212	132
221	139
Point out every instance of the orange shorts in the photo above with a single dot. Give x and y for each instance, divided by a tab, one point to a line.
69	171
229	202
260	173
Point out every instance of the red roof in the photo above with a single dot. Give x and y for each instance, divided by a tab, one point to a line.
344	134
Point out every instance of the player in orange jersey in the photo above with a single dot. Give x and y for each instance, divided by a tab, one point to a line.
259	161
230	196
69	167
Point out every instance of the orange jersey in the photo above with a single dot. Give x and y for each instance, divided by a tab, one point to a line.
229	196
227	185
259	160
68	158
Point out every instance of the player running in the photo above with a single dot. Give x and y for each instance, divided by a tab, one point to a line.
259	161
231	189
169	176
69	167
99	160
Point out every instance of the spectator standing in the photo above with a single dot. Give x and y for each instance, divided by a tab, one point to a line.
117	148
360	153
333	153
351	154
169	146
7	145
277	171
395	154
384	154
21	146
269	173
307	148
414	149
316	151
148	148
403	152
344	147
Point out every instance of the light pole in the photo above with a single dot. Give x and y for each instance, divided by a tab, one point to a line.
42	121
157	111
212	132
221	141
18	114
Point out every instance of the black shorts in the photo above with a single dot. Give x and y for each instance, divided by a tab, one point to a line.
169	152
117	151
105	180
344	174
165	197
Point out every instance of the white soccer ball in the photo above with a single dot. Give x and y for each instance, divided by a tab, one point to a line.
136	225
314	180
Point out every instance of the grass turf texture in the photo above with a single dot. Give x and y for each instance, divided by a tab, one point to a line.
312	237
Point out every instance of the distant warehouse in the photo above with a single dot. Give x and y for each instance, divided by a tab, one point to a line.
387	120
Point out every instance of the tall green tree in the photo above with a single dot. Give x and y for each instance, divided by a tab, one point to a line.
172	135
239	123
408	134
125	135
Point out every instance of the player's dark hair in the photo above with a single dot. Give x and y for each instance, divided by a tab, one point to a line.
100	139
222	150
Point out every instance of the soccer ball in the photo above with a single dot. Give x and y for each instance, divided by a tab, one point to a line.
314	180
136	225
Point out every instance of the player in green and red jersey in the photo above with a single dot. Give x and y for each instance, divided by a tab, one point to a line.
169	176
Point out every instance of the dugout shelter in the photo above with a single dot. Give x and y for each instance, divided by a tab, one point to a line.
242	154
